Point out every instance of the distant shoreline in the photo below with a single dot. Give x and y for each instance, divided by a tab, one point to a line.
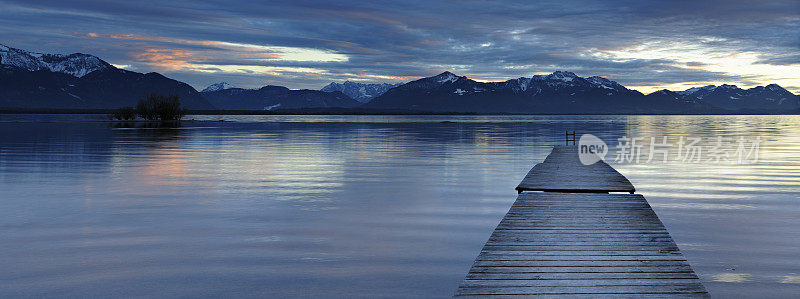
350	111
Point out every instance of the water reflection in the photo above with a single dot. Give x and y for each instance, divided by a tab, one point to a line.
731	277
352	205
791	279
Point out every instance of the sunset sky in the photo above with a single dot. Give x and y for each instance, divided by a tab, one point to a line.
307	44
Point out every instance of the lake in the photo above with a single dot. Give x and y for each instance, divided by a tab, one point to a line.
355	206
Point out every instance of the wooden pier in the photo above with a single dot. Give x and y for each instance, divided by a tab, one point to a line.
562	171
577	240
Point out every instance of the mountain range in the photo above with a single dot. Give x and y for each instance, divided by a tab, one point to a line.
732	97
565	92
362	92
226	97
35	80
218	86
80	81
559	92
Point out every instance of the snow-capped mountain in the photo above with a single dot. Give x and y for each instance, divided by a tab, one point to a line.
80	81
362	92
446	81
698	92
557	92
218	86
669	101
732	97
565	92
557	78
606	84
75	64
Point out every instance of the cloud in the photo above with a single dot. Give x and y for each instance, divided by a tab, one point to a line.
780	59
166	59
176	54
649	44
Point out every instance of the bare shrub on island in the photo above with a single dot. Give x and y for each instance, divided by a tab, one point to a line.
159	107
124	113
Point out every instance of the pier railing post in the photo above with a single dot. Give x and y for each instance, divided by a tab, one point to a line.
567	139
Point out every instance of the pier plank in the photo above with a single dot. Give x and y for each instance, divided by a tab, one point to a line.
562	171
609	245
575	240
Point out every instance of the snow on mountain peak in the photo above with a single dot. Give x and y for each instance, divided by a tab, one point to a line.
446	77
362	92
598	80
604	83
699	92
562	76
218	86
75	64
775	87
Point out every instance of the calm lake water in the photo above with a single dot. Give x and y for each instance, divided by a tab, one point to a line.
364	206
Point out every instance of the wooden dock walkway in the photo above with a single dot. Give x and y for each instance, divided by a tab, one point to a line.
562	171
581	243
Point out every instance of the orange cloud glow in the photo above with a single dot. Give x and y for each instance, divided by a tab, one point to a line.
167	59
169	55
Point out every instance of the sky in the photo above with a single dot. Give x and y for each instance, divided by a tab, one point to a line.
644	45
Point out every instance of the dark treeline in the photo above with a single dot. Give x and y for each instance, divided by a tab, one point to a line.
154	107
